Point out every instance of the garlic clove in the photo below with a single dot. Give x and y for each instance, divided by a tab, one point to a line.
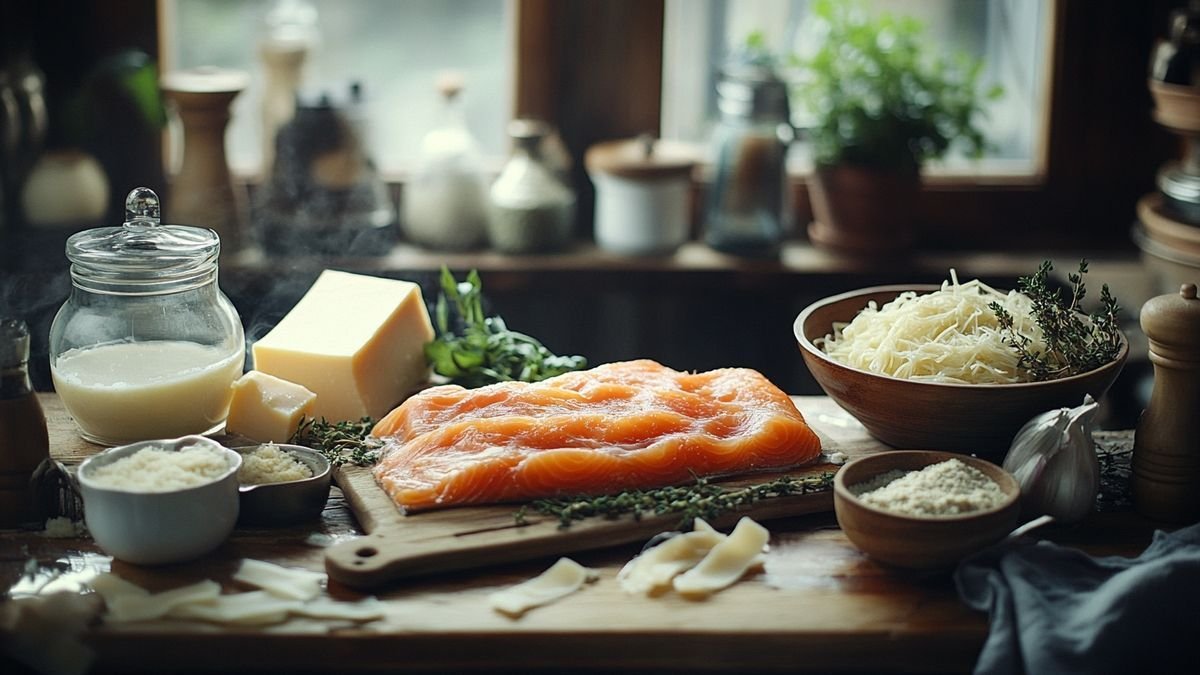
1053	458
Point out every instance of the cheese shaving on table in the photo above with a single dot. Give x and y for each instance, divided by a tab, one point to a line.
727	562
949	336
286	592
137	607
562	578
253	608
285	582
654	569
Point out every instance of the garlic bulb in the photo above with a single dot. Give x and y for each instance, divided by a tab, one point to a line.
1053	457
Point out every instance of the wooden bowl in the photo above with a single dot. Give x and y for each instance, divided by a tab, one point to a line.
919	542
970	418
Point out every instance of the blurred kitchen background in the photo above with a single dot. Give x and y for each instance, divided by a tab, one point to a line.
587	156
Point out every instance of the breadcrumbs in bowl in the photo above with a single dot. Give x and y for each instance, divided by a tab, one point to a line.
924	509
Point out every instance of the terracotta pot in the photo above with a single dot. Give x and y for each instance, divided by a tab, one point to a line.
860	211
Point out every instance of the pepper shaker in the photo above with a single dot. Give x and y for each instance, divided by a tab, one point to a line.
23	439
1166	448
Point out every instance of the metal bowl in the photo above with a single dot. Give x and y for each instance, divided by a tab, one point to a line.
289	502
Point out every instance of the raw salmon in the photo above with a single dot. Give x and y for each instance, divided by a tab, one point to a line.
635	424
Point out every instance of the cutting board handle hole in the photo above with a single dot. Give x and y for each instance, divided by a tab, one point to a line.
367	552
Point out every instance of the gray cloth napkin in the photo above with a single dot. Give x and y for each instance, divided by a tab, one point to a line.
1059	610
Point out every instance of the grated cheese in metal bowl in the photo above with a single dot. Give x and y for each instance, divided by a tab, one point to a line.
948	336
947	488
271	464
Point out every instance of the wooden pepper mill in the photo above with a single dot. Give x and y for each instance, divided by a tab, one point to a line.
1166	448
202	193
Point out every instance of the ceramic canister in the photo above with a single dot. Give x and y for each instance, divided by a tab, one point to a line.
642	195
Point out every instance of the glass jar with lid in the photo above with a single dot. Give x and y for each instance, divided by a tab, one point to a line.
146	345
748	205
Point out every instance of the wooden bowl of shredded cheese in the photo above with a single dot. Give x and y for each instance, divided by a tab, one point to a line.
922	509
934	374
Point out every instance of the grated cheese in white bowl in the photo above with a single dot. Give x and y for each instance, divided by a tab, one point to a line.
948	336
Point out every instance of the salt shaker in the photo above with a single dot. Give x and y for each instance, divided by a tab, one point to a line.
1166	449
23	439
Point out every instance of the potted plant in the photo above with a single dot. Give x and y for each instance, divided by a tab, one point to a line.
882	105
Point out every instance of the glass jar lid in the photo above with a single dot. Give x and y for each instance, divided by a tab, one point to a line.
142	249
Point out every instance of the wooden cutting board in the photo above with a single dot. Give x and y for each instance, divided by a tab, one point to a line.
399	546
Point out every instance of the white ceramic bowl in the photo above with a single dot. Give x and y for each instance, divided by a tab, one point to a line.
155	528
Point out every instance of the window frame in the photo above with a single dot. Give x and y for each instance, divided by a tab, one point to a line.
593	68
1081	196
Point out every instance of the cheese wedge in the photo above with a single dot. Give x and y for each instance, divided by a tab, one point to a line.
266	408
356	341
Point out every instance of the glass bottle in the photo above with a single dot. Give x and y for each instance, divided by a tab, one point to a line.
748	206
445	204
146	345
531	209
23	440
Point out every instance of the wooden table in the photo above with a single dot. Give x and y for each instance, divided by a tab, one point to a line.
818	604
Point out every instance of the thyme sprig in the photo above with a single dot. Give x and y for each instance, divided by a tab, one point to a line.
701	499
342	442
1074	342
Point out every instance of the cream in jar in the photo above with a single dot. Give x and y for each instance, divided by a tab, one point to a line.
124	392
146	345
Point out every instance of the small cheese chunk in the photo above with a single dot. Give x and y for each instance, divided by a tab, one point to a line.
356	341
727	561
654	569
563	578
266	408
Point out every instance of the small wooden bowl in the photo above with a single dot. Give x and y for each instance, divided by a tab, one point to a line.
970	418
918	542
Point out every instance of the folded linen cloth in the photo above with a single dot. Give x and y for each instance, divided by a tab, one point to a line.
1058	610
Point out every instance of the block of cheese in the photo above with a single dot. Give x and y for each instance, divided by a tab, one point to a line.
356	341
266	408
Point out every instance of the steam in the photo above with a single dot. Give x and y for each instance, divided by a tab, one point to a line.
34	297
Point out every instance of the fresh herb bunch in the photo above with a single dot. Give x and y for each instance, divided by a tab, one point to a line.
342	442
483	350
879	98
1075	342
701	499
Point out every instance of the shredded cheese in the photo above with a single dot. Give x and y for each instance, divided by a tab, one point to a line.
949	336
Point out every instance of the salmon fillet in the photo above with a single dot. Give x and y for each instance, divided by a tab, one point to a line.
635	424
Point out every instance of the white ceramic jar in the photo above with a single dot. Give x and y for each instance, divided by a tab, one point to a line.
643	190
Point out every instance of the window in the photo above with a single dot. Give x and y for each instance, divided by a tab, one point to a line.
1011	37
395	50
